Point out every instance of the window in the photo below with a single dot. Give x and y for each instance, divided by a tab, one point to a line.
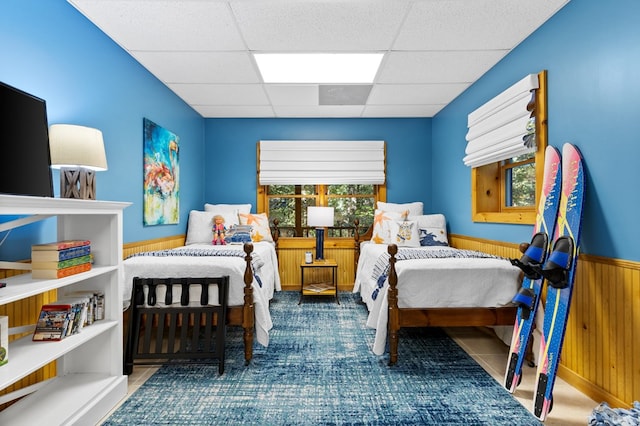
352	174
506	191
288	204
519	181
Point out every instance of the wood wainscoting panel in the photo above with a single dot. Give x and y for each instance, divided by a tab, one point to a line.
152	245
25	312
601	350
291	253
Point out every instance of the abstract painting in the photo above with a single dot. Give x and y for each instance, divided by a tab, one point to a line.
161	175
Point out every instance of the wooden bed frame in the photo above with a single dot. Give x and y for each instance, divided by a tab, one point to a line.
429	317
239	315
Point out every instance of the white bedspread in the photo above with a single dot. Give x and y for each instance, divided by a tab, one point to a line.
432	283
213	266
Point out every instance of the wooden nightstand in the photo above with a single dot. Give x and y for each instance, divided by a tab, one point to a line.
321	284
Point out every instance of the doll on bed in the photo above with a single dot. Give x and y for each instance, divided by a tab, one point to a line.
219	230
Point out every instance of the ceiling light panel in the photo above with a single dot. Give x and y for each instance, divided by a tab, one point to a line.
319	68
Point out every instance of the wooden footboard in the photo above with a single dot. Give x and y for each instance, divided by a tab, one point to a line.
242	315
434	317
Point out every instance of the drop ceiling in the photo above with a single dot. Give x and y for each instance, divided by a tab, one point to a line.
203	49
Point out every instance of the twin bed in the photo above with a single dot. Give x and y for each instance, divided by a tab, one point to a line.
427	283
252	268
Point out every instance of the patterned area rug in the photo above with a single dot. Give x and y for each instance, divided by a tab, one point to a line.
319	370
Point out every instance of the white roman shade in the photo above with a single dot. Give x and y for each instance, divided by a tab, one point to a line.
498	128
321	162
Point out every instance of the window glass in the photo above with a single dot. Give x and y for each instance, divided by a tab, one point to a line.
288	203
520	181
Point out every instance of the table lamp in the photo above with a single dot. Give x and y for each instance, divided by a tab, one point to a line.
320	217
78	152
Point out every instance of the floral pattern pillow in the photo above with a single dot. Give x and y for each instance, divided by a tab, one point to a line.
259	223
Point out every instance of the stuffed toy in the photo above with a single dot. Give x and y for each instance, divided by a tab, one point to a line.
219	230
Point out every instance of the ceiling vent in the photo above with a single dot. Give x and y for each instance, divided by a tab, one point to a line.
345	94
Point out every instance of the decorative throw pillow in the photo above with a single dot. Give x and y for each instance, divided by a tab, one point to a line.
407	234
385	226
433	230
200	226
259	222
238	234
413	209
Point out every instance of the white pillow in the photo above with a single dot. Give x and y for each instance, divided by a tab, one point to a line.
200	227
433	229
239	208
414	209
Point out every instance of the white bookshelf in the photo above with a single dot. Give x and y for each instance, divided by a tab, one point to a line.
90	380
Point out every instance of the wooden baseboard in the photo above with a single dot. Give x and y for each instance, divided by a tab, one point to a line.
586	387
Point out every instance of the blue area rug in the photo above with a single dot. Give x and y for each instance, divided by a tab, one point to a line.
319	370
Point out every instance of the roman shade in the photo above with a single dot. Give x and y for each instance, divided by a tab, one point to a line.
317	162
504	127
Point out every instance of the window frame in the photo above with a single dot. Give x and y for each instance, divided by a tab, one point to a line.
488	182
322	198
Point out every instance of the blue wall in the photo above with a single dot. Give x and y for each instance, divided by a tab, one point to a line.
50	50
231	150
591	50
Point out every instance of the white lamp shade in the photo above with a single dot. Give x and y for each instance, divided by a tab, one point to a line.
320	216
76	146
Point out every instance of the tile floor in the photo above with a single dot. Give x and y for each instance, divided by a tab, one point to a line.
570	406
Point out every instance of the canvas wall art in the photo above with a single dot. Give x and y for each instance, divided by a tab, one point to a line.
161	175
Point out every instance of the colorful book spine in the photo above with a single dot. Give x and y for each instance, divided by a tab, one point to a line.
62	264
60	245
60	273
53	322
59	255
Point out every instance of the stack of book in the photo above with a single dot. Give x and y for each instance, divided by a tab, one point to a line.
69	315
60	259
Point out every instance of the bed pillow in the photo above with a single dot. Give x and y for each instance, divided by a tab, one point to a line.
240	208
238	234
433	229
259	223
200	226
407	234
413	209
385	226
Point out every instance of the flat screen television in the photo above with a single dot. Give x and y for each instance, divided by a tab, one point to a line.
26	162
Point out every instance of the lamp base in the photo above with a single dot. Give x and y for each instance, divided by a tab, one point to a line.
319	243
77	183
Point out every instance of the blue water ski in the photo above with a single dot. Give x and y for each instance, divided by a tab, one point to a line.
529	294
559	272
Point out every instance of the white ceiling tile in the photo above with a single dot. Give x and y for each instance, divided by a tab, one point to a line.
234	111
165	25
319	111
221	94
437	67
200	67
414	94
401	110
281	94
293	25
476	24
